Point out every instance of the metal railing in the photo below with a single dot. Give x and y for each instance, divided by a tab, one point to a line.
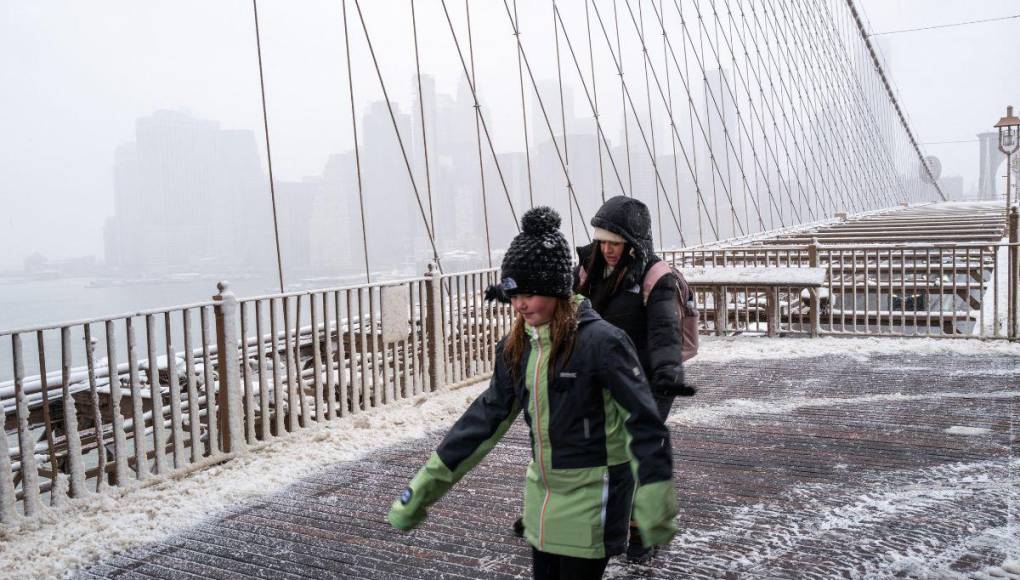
143	395
945	290
197	384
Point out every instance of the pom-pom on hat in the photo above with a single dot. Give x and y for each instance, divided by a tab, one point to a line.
538	259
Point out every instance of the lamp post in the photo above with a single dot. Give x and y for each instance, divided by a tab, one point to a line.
1009	142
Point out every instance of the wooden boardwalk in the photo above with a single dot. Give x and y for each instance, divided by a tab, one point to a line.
897	465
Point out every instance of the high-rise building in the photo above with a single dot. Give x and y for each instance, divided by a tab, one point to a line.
188	196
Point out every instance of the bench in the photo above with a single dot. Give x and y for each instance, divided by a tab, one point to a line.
772	278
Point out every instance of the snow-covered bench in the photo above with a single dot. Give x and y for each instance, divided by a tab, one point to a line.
771	279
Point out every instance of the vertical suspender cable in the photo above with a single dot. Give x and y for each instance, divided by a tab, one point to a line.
524	114
357	150
673	134
563	122
421	113
595	100
269	155
651	123
623	103
400	140
478	136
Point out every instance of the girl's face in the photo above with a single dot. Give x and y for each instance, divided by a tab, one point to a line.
536	310
612	252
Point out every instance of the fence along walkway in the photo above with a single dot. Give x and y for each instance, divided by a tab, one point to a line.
250	370
183	387
899	273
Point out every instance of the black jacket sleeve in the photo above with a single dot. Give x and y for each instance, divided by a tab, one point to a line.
649	439
665	340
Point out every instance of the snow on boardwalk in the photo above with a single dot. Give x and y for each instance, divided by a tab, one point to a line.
832	457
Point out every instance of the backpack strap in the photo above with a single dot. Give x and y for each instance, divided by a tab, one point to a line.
652	276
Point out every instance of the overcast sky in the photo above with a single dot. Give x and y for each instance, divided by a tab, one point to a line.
76	75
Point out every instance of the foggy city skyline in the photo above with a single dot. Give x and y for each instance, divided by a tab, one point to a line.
89	82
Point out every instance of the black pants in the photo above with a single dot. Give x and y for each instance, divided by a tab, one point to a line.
546	566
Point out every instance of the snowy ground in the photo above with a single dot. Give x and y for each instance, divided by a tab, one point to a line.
968	480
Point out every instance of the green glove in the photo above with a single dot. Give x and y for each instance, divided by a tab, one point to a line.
655	513
431	482
407	511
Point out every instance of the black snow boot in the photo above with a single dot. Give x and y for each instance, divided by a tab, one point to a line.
519	527
637	553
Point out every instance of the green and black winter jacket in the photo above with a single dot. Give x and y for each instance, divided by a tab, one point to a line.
594	433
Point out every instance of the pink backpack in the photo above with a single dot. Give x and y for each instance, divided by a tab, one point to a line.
686	305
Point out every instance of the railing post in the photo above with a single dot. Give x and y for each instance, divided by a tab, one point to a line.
1013	284
815	302
436	348
228	397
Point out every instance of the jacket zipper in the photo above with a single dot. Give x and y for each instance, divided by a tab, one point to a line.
538	435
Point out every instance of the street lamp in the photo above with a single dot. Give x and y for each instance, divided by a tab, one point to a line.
1009	142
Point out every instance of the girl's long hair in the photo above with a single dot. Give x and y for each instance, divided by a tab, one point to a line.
562	328
596	266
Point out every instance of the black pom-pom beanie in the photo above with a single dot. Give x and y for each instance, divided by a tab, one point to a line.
538	259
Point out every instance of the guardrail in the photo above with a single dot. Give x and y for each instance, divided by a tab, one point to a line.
165	391
935	290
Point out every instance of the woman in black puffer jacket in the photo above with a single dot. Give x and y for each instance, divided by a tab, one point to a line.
611	272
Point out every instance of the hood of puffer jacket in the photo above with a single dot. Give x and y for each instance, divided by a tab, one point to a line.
628	217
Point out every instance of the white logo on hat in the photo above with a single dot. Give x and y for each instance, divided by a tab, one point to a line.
509	284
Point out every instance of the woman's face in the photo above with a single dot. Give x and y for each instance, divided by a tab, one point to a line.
612	252
536	310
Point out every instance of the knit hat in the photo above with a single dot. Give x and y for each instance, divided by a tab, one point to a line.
538	260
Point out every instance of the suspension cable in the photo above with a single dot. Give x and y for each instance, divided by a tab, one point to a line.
357	149
269	154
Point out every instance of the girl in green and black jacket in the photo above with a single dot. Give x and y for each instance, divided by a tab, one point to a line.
597	440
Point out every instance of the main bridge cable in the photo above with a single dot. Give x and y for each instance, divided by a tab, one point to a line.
545	114
775	153
269	155
481	117
892	97
577	65
357	151
400	140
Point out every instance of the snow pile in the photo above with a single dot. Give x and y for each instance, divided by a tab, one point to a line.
962	430
716	349
87	529
736	408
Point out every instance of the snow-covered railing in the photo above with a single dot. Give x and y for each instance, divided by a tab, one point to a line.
953	290
207	381
91	424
